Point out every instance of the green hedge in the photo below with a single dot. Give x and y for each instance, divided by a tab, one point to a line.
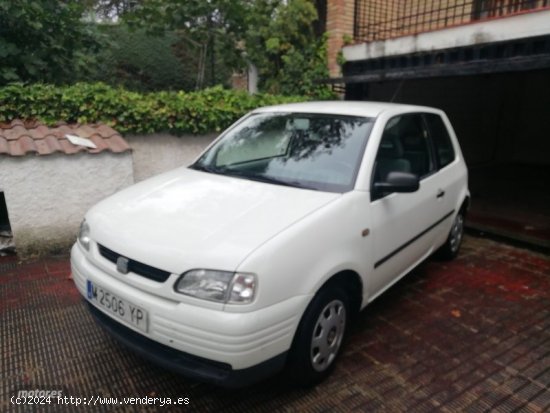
205	111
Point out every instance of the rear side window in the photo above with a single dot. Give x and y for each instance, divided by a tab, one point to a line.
444	150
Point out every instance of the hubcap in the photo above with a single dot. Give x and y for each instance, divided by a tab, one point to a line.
456	233
327	335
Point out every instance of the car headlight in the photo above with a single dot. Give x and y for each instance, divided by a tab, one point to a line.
221	286
84	235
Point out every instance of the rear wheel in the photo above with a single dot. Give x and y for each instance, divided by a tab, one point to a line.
450	249
319	337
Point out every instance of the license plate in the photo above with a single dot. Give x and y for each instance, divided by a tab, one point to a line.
118	307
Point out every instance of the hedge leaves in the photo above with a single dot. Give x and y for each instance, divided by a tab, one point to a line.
208	110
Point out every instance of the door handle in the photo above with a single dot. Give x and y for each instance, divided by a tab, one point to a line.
440	193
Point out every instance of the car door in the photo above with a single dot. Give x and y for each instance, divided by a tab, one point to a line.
403	223
450	175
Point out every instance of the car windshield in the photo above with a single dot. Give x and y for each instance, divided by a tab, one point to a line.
313	151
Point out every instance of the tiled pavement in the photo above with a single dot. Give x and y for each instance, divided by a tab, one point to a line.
472	335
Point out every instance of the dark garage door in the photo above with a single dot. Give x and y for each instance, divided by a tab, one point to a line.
503	123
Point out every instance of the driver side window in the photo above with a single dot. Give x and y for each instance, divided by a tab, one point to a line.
404	148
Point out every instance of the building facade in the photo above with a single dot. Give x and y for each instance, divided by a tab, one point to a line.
486	63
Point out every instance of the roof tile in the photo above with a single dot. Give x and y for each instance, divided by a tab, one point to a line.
68	148
53	144
14	148
27	144
117	144
39	132
16	122
99	142
18	138
106	131
42	147
15	132
86	131
62	130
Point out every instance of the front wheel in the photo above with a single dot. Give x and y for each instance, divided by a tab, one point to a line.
319	337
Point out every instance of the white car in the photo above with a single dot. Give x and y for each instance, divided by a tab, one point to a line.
255	257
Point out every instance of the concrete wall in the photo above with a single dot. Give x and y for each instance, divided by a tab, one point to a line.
47	196
157	153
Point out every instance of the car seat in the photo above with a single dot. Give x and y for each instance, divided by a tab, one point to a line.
390	157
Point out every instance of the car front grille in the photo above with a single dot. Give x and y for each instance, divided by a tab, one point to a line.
136	267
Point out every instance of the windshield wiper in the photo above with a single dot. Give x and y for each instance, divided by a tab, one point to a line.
203	168
245	175
270	180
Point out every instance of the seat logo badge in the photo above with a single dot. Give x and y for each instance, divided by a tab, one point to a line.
122	265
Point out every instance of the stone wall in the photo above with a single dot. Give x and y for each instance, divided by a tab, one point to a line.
47	196
157	153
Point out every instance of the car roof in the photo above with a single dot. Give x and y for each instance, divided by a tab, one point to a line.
339	107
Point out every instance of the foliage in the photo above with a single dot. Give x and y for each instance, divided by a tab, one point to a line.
281	42
44	40
109	9
195	14
275	35
346	41
302	69
138	61
199	42
208	110
216	26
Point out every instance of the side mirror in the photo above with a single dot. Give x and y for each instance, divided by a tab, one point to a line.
398	182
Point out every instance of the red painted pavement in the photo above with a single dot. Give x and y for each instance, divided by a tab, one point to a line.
472	335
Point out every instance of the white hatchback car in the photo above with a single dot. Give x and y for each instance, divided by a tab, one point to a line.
255	257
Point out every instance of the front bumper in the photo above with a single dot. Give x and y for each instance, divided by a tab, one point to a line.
186	364
207	344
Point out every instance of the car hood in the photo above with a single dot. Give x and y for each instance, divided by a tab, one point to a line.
188	219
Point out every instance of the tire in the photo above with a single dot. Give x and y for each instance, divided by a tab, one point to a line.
319	337
449	250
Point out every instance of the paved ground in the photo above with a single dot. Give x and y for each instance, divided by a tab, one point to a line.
472	335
